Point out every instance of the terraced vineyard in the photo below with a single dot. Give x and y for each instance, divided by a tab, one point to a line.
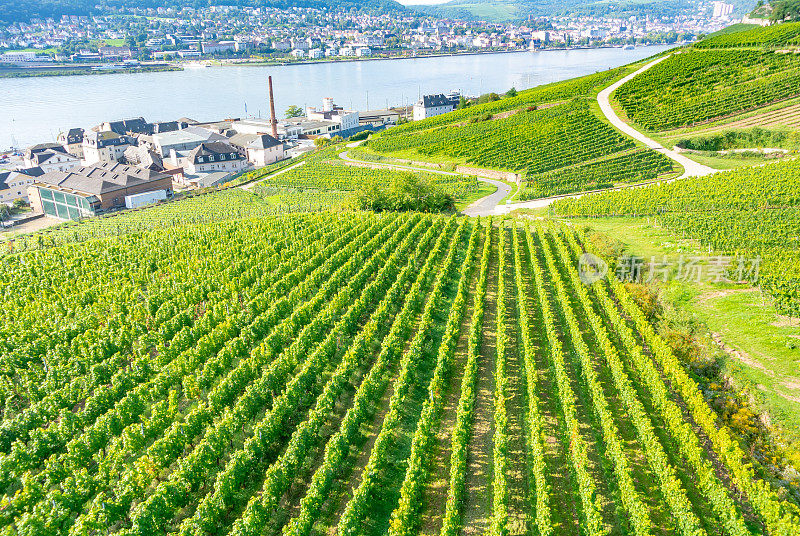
694	86
351	374
534	142
201	208
778	35
560	149
338	177
549	93
630	167
748	211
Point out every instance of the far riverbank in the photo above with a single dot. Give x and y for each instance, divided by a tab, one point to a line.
34	110
88	69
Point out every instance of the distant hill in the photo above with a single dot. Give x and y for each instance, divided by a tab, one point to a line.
515	10
14	10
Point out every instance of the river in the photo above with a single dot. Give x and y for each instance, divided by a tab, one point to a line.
35	110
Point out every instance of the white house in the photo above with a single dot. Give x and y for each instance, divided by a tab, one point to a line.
14	184
297	53
363	52
261	149
315	53
50	157
214	157
431	105
104	147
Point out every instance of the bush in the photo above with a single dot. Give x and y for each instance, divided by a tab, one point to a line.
740	139
404	192
363	135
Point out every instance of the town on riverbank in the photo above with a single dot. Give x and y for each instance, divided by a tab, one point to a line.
142	40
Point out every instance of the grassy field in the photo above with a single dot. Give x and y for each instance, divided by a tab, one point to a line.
768	357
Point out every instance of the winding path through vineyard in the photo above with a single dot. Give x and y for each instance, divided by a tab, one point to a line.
691	168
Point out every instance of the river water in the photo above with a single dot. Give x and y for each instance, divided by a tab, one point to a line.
35	110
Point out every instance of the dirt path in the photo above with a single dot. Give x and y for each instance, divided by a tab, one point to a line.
435	496
249	186
519	506
564	502
477	486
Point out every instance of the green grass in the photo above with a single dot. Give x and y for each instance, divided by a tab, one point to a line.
744	319
722	162
640	237
770	366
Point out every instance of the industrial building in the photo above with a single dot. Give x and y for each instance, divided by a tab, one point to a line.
89	190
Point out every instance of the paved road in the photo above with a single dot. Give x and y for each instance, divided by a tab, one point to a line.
691	168
486	206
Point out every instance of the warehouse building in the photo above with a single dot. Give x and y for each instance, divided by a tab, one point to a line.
89	190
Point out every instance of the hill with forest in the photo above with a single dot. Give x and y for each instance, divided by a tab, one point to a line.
518	10
11	10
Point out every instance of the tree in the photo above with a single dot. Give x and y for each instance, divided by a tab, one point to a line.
462	103
511	92
294	111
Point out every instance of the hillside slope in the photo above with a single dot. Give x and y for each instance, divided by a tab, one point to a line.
12	10
518	10
552	137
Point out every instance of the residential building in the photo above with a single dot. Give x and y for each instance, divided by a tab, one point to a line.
144	157
50	157
17	57
109	53
72	141
261	149
315	53
14	184
313	128
213	157
286	131
363	52
380	117
722	10
134	126
104	146
214	47
88	190
299	44
432	105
